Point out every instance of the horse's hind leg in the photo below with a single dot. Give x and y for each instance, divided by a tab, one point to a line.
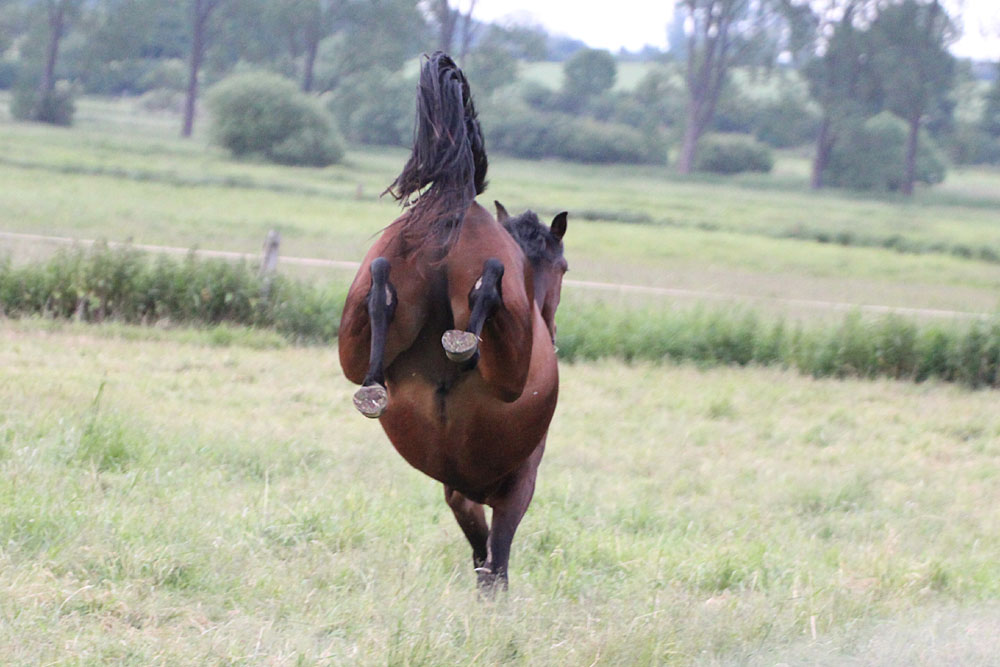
508	510
372	398
472	520
484	298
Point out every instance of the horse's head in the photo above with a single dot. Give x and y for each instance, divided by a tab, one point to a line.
544	249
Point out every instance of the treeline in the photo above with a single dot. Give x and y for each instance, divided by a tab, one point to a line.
870	84
124	285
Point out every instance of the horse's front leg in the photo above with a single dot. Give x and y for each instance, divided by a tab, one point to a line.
372	398
485	297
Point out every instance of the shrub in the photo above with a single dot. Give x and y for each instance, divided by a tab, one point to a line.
55	108
9	70
732	154
589	72
375	107
534	134
970	144
125	285
788	121
870	156
267	115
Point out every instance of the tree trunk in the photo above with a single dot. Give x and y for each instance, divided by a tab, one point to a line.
824	145
310	65
689	145
910	168
447	19
56	26
201	11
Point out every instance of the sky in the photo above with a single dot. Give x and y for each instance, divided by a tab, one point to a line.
633	24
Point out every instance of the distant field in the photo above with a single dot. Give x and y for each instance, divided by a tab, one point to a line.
181	498
184	496
550	74
123	174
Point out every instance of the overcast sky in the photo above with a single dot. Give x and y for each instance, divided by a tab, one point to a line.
634	23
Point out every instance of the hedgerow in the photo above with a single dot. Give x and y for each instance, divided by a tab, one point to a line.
125	285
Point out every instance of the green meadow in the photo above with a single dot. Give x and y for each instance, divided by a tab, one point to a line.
175	495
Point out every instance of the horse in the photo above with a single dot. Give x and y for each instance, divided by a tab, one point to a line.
449	326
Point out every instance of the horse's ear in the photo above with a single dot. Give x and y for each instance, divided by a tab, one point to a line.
558	228
502	215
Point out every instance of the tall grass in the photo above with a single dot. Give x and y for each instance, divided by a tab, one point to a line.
888	346
125	285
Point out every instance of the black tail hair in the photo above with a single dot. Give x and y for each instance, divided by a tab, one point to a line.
448	151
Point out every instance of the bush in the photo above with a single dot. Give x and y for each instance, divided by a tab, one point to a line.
375	107
267	115
55	108
732	154
534	134
128	286
789	121
970	144
9	70
125	285
889	346
870	156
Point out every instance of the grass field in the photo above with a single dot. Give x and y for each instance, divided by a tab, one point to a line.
753	236
174	499
178	496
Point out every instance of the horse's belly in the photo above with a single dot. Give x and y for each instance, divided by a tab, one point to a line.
462	437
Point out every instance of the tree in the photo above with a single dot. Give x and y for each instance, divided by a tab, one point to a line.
200	14
720	33
915	69
306	23
453	24
991	111
59	14
841	79
588	73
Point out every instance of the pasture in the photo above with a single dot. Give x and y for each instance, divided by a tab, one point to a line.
174	499
183	496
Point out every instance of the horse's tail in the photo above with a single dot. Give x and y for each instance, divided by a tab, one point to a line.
448	152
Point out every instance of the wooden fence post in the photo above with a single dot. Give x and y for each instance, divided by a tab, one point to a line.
269	261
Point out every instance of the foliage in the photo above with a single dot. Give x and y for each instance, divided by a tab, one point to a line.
535	134
971	144
778	112
660	95
890	346
55	108
265	114
589	72
374	107
8	73
125	285
991	111
733	154
869	156
489	68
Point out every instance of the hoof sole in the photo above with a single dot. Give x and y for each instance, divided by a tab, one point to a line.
459	345
371	401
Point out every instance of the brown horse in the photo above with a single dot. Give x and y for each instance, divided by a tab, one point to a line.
455	351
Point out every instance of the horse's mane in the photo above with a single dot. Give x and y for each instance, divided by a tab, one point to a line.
447	166
536	240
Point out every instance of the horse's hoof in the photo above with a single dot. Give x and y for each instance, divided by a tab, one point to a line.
490	582
459	345
371	401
